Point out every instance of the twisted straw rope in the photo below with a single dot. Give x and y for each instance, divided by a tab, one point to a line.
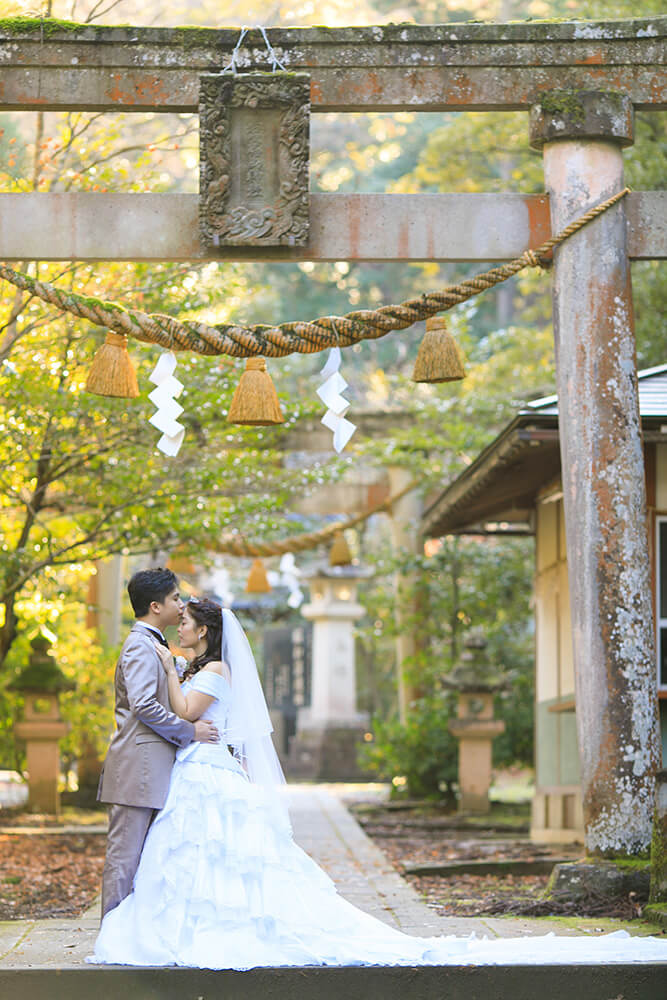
288	338
309	540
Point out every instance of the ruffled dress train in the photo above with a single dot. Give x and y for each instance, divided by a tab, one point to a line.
221	885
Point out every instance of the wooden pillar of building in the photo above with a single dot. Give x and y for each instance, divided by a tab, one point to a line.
582	135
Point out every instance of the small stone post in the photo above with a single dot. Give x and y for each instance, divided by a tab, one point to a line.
42	727
581	135
658	892
475	728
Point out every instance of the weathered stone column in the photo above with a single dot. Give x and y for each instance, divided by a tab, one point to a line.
329	730
405	530
603	469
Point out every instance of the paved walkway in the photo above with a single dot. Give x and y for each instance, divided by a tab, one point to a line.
324	828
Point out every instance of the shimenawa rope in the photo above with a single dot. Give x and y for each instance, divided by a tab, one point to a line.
294	337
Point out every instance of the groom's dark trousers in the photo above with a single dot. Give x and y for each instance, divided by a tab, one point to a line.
137	768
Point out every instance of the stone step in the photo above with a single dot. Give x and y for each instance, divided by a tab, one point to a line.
499	866
518	982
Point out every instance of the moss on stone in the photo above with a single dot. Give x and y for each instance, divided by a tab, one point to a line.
537	30
42	677
656	913
195	36
658	894
41	673
638	863
603	924
549	888
45	26
565	103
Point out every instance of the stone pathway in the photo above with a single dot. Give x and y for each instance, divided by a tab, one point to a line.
328	832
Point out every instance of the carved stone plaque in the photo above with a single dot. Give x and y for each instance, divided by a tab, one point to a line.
254	155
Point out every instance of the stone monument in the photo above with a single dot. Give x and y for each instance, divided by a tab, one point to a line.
329	730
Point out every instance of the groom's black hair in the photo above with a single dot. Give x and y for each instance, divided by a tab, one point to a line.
150	585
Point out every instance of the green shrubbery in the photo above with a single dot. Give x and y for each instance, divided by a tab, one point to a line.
473	582
420	757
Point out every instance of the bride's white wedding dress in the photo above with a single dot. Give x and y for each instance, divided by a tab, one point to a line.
221	885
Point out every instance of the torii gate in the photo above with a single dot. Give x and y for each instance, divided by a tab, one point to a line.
580	83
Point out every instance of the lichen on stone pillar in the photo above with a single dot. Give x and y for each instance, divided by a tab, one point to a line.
582	134
582	114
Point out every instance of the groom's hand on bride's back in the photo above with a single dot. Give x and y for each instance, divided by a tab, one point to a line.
205	732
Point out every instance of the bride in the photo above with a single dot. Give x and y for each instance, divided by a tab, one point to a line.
221	883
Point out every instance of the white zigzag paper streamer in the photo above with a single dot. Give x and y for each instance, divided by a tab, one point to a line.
289	577
330	392
168	410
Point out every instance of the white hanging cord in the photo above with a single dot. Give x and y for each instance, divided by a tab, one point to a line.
275	61
289	577
233	63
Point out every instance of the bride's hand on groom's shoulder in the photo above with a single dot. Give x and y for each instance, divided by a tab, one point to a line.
166	658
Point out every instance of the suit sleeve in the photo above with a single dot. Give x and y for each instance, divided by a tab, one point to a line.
141	679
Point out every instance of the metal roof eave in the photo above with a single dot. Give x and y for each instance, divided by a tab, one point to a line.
523	433
489	472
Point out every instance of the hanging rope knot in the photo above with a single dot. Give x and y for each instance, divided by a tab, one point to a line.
256	365
116	339
531	258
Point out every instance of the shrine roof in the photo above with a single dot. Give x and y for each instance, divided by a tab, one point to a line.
497	493
652	385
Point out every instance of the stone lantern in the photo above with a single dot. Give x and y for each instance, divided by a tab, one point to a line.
40	682
476	681
330	728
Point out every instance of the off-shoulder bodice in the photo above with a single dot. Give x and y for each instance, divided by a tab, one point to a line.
217	687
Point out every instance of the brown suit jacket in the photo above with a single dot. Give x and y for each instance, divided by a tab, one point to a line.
138	763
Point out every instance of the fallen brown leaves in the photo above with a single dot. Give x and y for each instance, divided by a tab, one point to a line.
416	837
49	875
479	895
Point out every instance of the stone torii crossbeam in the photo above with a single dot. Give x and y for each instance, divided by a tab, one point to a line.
580	82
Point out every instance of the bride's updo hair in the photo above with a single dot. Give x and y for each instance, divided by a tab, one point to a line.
208	613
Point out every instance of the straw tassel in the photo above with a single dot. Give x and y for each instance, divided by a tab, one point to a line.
255	401
339	553
180	563
258	582
112	372
439	358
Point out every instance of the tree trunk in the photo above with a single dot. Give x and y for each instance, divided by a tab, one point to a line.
8	630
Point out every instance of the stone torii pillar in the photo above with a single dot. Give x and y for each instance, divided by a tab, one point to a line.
405	515
582	134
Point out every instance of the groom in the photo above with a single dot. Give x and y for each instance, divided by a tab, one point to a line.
137	768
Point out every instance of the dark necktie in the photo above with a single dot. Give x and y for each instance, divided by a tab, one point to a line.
160	638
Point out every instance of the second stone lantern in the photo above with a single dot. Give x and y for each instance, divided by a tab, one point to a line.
330	728
476	681
41	682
